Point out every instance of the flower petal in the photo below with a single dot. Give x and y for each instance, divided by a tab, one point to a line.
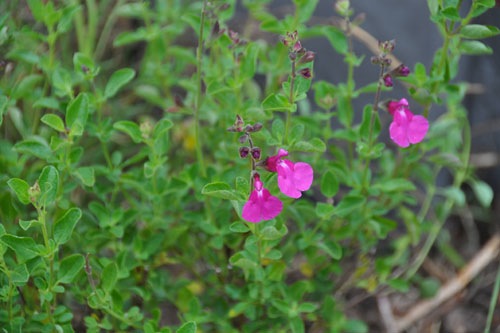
417	129
303	176
398	129
286	179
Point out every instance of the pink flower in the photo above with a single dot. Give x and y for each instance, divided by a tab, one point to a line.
406	128
261	205
293	178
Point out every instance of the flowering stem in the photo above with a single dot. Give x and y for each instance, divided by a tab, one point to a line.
197	101
291	100
372	121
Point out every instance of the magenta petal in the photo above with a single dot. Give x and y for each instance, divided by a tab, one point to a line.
303	176
261	206
286	179
417	129
398	134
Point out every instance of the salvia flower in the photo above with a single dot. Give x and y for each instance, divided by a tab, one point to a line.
293	178
261	205
406	128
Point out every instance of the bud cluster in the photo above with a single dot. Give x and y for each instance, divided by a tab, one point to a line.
239	126
298	54
382	60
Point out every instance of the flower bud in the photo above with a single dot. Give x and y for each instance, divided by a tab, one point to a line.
34	192
146	129
257	127
244	151
307	57
342	7
297	47
306	73
243	138
401	70
216	28
292	56
387	80
376	60
387	46
256	152
249	128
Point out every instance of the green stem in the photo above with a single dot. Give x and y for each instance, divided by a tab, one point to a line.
198	97
447	206
106	31
493	301
291	100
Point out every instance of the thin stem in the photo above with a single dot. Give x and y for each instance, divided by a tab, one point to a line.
447	206
198	97
493	301
291	100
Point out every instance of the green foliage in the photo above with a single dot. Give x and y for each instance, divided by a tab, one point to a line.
123	189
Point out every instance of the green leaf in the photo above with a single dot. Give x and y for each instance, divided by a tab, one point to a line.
109	277
278	129
451	13
24	247
353	325
49	184
324	210
222	190
395	185
119	78
85	175
239	227
277	102
478	31
313	145
20	188
130	128
189	327
63	228
25	225
36	147
53	121
474	47
69	268
77	111
349	203
329	184
4	103
333	249
271	233
483	192
337	38
20	275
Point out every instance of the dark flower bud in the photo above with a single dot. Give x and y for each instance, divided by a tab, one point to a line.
257	127
386	61
307	57
248	128
293	35
234	36
243	138
292	56
387	80
297	47
85	69
306	73
244	151
401	70
256	153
